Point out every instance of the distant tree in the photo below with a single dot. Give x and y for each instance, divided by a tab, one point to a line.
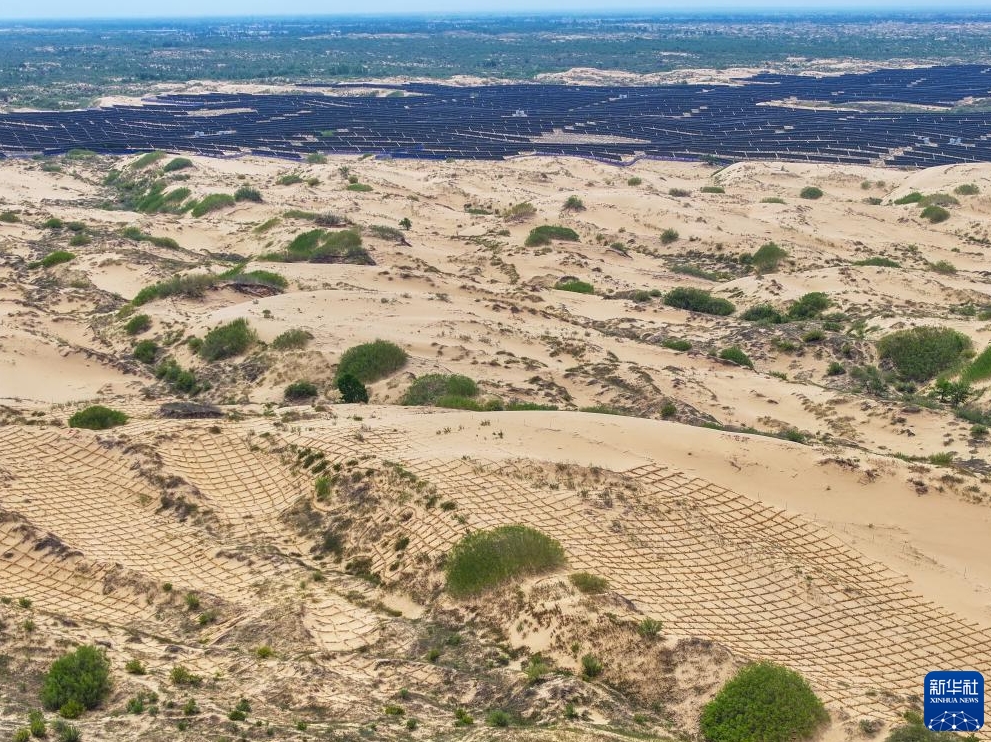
405	223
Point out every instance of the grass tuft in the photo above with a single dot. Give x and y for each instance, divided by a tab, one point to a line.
485	559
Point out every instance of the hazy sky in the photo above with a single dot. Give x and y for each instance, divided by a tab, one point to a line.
49	9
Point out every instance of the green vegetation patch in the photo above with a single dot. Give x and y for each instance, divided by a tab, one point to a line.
967	189
810	193
370	362
56	257
360	187
544	234
97	417
81	677
177	163
588	583
301	391
294	339
322	246
212	202
734	354
247	193
763	313
137	324
485	559
909	198
431	388
227	341
712	189
147	159
763	702
9	217
935	214
351	389
809	306
922	353
978	369
698	300
578	287
880	261
768	257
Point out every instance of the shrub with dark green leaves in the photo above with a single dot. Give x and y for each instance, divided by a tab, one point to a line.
300	391
573	203
909	198
543	235
698	300
592	666
676	344
763	313
485	559
735	355
768	257
370	362
351	389
137	324
811	193
578	287
763	702
669	235
935	214
809	306
498	718
227	341
880	261
81	677
429	388
922	353
56	257
97	417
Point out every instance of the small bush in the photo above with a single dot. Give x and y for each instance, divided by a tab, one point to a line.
634	181
294	339
669	236
835	369
227	341
880	261
676	344
149	158
813	336
485	559
289	179
922	353
978	369
810	193
351	389
36	723
698	300
462	718
67	732
679	192
23	734
944	267
737	356
544	234
935	214
177	163
649	628
909	198
520	212
588	583
768	257
182	677
80	239
713	189
429	388
772	200
56	257
809	306
9	217
300	391
939	199
135	667
498	718
763	702
97	417
967	189
137	324
212	202
370	362
573	203
591	666
763	313
247	193
578	287
77	679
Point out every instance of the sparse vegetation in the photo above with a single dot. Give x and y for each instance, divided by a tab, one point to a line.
370	362
227	341
880	261
712	189
763	313
592	666
97	417
698	300
212	202
763	702
294	339
322	246
909	198
979	369
137	324
922	353
176	164
429	389
56	257
78	679
485	559
147	159
573	203
247	193
578	287
668	236
520	212
967	189
588	583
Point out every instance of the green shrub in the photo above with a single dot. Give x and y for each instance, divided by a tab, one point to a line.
227	341
880	261
712	189
669	236
909	198
135	667
945	267
36	723
53	222
315	158
967	189
370	362
320	246
182	677
649	628
485	559
591	666
544	234
693	270
56	257
978	369
429	388
573	203
457	402
939	199
247	193
811	193
137	324
9	217
351	389
212	202
66	732
588	583
919	733
23	734
149	158
813	336
79	239
763	702
294	339
935	214
768	257
922	353
498	718
772	200
300	391
579	287
81	677
289	179
97	417
193	286
698	300
462	718
735	355
634	181
177	163
676	344
520	212
679	192
763	313
809	306
835	369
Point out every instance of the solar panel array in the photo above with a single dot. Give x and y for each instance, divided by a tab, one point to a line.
611	123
